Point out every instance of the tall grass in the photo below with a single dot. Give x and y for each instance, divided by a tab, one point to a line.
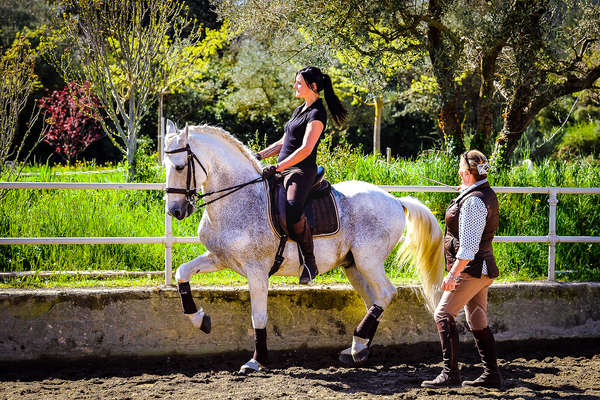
34	213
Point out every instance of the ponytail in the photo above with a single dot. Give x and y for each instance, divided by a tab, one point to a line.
323	81
336	108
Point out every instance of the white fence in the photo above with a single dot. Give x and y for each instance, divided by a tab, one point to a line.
168	239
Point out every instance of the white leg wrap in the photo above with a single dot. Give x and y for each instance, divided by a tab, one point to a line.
196	318
251	366
358	344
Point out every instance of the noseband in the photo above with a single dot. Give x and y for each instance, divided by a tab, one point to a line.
191	190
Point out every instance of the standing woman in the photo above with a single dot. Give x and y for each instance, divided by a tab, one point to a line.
297	151
471	220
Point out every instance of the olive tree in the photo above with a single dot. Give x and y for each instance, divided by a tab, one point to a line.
517	55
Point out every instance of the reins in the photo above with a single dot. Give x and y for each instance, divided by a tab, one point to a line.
191	190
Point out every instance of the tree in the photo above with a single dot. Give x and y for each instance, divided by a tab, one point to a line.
17	82
483	55
121	48
553	53
72	115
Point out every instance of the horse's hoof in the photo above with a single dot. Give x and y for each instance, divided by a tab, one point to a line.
361	357
346	359
356	360
205	327
250	367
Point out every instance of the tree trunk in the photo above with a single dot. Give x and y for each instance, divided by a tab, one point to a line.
515	123
485	118
377	124
131	137
450	127
161	127
443	69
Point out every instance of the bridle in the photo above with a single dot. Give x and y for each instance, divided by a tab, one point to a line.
191	188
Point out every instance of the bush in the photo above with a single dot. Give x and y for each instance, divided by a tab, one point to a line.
73	116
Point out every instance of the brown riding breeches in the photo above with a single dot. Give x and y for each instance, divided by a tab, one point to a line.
470	293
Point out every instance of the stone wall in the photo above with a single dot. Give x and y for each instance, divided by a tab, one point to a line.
102	322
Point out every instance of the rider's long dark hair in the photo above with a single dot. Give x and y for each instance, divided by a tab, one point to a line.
323	81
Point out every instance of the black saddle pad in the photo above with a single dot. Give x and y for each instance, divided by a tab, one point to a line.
321	210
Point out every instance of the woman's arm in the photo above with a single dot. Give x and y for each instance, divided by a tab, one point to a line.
311	136
273	149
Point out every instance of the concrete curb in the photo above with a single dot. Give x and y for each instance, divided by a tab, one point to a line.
105	322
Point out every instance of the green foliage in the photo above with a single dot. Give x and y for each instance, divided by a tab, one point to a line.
580	140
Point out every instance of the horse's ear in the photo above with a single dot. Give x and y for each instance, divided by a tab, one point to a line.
171	127
185	132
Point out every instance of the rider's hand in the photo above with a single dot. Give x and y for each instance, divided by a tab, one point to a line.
269	171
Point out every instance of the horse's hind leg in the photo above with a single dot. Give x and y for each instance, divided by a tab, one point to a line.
358	281
205	263
380	291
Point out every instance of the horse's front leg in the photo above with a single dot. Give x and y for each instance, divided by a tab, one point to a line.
207	262
258	283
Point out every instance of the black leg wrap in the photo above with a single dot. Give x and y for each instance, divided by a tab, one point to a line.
367	327
261	354
187	301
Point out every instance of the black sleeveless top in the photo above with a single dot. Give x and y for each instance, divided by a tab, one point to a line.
295	130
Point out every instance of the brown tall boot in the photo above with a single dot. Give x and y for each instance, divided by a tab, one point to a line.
486	345
450	375
301	233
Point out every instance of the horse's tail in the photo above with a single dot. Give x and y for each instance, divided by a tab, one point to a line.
422	248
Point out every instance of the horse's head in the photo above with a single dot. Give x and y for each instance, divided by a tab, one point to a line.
184	173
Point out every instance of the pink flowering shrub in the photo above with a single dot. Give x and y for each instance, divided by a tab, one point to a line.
74	120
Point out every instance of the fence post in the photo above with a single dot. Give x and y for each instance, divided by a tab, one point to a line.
168	246
388	154
552	201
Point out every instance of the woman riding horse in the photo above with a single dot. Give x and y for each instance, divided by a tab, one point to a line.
297	151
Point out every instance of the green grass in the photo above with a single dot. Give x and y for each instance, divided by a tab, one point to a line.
34	213
219	278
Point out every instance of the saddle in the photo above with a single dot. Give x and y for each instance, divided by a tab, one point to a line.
320	210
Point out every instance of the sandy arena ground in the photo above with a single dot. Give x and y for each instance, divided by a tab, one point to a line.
566	369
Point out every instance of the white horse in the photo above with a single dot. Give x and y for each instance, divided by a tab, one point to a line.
237	234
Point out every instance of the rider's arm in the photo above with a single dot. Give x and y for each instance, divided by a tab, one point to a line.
311	136
273	149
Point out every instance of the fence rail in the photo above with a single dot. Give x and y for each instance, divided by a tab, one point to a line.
169	240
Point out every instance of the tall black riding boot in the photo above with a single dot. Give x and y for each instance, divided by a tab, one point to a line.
301	233
450	375
486	345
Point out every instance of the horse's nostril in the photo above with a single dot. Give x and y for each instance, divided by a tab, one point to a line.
175	213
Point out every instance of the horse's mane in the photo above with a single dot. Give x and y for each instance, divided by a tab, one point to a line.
222	133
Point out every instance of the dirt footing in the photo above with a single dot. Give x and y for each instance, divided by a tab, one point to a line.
565	369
